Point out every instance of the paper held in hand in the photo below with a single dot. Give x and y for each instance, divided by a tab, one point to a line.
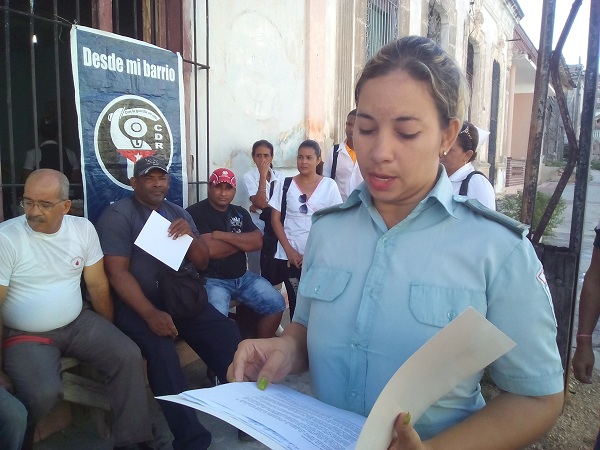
282	418
154	239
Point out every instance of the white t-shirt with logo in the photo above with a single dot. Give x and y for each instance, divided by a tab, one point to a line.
43	272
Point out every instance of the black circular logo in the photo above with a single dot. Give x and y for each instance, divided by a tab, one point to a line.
130	128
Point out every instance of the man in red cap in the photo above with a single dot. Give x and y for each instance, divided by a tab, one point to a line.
229	232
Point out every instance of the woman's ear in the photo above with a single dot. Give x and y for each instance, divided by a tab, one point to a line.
468	155
449	135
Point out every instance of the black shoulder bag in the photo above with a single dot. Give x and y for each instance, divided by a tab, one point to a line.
336	153
182	290
464	186
265	214
268	264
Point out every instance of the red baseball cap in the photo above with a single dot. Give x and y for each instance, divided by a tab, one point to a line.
222	176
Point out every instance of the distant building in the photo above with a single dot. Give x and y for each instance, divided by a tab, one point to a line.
280	70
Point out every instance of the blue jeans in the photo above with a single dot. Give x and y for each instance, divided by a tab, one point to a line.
250	289
13	421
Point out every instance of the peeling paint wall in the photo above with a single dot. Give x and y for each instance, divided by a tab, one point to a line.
277	70
257	81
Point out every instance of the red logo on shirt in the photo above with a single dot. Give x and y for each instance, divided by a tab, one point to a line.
77	263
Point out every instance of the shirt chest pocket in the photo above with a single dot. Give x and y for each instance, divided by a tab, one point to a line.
323	283
438	306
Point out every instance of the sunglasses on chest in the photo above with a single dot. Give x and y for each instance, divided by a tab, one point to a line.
303	207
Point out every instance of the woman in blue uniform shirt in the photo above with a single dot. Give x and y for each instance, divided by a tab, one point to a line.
406	258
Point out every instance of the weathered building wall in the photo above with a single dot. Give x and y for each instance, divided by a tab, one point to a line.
258	80
285	70
521	116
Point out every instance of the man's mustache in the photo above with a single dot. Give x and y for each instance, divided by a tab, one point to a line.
36	219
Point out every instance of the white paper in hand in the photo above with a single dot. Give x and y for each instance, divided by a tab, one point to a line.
279	417
465	346
154	239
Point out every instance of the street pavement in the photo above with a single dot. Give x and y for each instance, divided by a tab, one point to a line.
82	435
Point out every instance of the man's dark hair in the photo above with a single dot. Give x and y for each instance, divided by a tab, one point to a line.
48	129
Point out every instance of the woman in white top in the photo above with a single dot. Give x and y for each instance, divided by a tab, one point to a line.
457	162
308	192
260	182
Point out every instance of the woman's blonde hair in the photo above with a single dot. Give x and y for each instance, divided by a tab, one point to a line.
425	61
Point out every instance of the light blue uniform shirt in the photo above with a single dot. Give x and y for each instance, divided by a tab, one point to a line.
370	297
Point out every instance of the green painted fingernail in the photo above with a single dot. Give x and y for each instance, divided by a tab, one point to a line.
262	383
407	419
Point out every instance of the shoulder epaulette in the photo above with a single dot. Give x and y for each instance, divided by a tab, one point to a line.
511	224
331	209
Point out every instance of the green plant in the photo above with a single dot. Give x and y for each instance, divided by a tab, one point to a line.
555	164
511	206
595	165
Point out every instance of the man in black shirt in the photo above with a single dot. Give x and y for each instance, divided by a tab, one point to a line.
229	233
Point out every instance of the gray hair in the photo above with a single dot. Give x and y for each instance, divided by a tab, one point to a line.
425	61
63	181
63	190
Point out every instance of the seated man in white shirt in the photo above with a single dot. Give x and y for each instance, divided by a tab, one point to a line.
43	255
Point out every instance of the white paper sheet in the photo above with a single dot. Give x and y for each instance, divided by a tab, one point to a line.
279	417
465	346
154	239
282	418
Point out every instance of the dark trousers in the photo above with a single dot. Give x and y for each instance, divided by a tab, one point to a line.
211	335
33	365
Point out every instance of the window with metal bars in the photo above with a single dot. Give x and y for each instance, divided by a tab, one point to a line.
36	83
382	24
470	73
494	114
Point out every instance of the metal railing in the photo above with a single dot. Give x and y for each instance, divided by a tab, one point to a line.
382	24
36	80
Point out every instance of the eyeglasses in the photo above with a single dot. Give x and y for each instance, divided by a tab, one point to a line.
303	207
43	206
